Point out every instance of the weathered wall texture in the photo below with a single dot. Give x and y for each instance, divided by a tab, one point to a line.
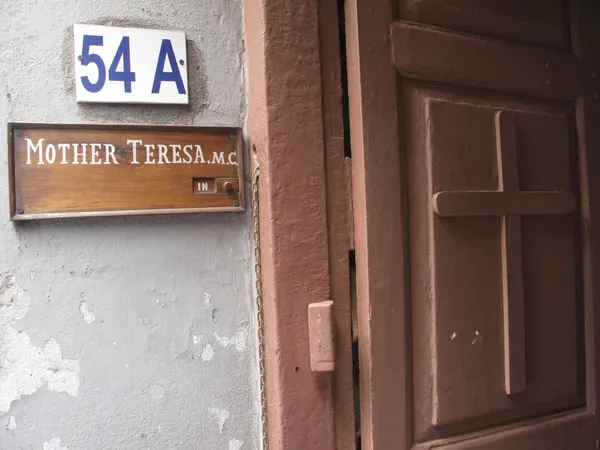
124	333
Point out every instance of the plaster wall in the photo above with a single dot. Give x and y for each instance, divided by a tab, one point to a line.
124	333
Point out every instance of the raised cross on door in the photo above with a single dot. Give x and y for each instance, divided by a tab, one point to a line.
509	203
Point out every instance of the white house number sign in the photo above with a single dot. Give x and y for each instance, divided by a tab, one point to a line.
130	65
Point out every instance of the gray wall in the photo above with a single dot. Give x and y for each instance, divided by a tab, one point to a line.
124	333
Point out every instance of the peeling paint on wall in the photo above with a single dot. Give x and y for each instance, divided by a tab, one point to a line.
220	416
12	424
234	444
207	353
196	339
54	444
25	367
88	316
239	339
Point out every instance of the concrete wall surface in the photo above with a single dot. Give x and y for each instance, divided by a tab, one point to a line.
125	333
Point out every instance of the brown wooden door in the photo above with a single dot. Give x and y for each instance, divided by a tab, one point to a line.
476	151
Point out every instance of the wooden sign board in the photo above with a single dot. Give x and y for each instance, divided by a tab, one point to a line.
59	171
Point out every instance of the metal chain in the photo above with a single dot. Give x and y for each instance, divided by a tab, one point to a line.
259	305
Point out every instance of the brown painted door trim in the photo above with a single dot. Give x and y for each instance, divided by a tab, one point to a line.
294	130
379	227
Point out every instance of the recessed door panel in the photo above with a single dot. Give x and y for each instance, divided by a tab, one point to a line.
469	268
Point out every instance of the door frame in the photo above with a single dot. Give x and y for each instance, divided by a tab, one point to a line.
294	78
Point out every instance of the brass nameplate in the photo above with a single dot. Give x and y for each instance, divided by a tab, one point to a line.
59	171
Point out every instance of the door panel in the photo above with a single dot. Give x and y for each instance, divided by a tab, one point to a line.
456	265
474	149
538	22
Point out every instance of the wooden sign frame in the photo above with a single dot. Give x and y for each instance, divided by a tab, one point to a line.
216	202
